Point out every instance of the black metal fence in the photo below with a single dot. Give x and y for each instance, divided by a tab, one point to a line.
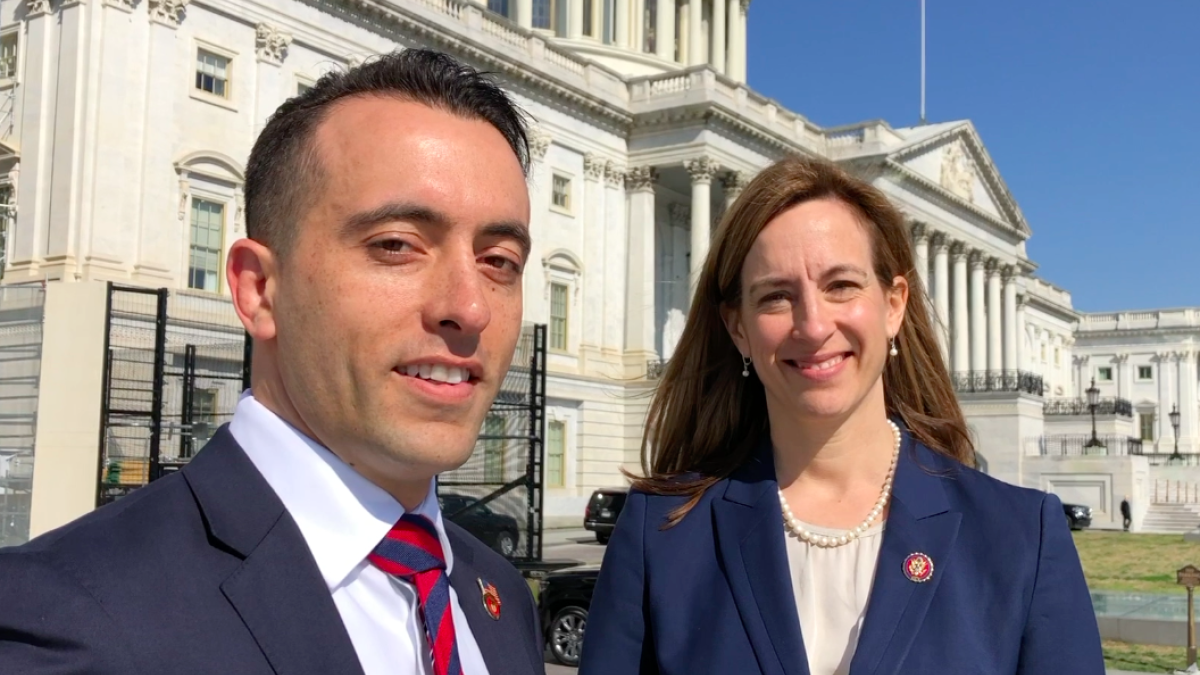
174	368
983	381
497	494
1079	406
1081	444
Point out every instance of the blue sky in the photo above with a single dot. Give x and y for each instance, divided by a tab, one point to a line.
1090	110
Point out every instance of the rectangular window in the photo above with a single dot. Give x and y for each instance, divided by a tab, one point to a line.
204	254
556	450
493	449
302	87
1145	372
1104	374
558	317
498	6
8	55
1147	422
543	14
212	73
561	193
204	417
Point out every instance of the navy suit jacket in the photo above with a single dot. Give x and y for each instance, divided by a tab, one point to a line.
205	572
714	595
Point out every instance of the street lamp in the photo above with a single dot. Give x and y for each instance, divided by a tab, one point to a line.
1093	399
1175	425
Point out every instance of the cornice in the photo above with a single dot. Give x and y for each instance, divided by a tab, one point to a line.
714	115
936	194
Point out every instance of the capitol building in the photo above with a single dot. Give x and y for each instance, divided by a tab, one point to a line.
125	126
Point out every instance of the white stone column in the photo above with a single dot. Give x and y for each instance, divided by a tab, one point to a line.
594	257
741	9
1162	368
36	138
1010	319
616	241
1121	362
696	55
524	14
574	19
733	182
1186	377
978	314
621	29
639	287
995	335
540	179
962	333
920	236
941	291
664	29
717	53
1022	300
702	169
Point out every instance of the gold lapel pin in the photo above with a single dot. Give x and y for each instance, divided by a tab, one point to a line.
918	567
491	599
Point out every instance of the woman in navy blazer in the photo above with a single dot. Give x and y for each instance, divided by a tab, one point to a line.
807	472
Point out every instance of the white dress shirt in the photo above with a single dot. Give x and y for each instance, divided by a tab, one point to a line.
342	516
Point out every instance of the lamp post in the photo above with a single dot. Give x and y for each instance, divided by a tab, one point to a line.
1175	456
1093	399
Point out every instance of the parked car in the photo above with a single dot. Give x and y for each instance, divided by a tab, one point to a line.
563	600
602	510
497	530
1078	516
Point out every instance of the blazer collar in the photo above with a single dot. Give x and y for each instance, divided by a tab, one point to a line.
750	540
277	590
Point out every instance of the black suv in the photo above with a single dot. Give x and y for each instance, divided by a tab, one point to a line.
497	530
563	600
602	510
1078	516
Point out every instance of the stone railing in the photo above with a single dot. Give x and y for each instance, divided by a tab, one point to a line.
1079	406
985	381
1067	445
1163	318
698	85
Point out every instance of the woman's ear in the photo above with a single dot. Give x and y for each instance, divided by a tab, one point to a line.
733	323
897	300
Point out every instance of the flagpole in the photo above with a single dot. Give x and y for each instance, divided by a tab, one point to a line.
922	61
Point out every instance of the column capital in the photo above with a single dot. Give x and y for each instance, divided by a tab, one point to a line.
641	178
169	13
745	5
1121	358
1009	272
701	169
1022	301
976	259
593	166
939	241
680	215
958	250
735	180
539	143
38	8
920	231
271	44
614	175
993	267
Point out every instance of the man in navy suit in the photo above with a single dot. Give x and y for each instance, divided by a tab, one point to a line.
387	220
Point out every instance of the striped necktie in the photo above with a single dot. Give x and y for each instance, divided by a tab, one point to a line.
412	552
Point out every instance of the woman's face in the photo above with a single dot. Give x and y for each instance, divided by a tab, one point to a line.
813	316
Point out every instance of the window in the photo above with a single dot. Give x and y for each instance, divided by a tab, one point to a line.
1104	374
589	23
1147	423
556	449
302	87
544	14
204	416
8	55
561	193
204	259
558	317
493	449
498	6
212	73
1145	372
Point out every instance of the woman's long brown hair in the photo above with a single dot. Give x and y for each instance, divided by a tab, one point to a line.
705	419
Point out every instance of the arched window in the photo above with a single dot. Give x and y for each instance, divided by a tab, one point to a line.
210	211
563	277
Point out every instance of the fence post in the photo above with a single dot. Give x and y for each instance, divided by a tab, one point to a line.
187	445
106	394
160	362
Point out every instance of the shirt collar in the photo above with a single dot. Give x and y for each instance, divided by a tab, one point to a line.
341	515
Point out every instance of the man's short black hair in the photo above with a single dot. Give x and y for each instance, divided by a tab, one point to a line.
284	173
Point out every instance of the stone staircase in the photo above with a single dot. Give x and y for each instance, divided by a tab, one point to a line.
1172	518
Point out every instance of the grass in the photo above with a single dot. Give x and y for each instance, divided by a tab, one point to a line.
1120	561
1143	658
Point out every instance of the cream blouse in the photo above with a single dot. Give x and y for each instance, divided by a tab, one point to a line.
832	586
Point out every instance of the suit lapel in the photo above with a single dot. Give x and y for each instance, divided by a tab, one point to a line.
919	521
749	531
498	639
277	590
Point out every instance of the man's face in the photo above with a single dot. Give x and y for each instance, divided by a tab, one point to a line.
398	309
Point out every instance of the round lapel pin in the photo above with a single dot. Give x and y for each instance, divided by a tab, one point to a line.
491	599
918	567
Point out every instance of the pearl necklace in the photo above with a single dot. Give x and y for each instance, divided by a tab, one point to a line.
824	541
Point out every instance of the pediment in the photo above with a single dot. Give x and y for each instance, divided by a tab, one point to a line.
956	164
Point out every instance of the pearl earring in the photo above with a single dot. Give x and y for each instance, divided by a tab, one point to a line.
745	366
893	352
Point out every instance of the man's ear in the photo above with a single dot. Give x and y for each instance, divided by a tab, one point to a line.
252	275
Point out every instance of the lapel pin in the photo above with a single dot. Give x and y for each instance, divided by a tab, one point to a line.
918	567
491	599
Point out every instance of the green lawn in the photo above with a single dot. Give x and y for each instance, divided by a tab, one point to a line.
1143	658
1120	561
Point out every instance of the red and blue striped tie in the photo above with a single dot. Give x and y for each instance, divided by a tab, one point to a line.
411	551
